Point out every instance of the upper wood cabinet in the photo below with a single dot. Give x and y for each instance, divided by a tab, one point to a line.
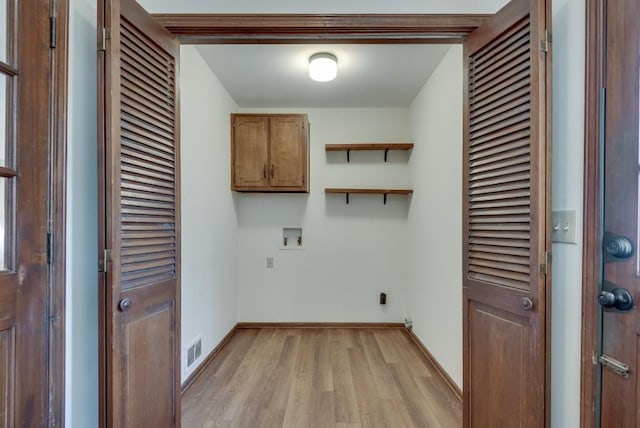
270	152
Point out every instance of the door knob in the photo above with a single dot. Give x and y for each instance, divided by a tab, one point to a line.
124	304
526	303
620	247
618	298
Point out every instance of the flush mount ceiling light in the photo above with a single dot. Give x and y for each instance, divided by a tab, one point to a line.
323	67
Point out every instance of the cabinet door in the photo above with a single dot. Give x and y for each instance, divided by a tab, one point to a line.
288	152
250	152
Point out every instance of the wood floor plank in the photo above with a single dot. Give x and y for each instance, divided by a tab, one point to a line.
346	410
329	377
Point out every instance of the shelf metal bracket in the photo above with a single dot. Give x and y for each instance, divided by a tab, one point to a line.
386	152
348	157
347	195
384	199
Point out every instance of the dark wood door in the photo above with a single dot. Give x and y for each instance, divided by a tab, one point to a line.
506	216
24	145
139	219
621	329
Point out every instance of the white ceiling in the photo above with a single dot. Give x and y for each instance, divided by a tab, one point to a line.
374	75
322	6
368	75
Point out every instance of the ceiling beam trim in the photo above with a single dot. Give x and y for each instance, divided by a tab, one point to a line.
305	28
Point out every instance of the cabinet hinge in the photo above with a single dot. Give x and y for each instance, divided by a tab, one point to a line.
545	43
49	248
53	31
545	266
102	40
103	263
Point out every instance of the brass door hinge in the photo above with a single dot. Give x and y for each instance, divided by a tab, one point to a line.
545	266
102	39
103	263
545	43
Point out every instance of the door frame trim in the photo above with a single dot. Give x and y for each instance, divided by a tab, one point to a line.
337	29
594	60
314	28
58	212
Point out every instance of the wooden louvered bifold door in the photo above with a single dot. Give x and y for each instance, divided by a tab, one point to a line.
141	222
505	215
499	161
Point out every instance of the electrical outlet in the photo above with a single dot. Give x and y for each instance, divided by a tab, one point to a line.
191	355
269	262
198	348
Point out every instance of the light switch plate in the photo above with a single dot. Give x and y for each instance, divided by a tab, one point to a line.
563	226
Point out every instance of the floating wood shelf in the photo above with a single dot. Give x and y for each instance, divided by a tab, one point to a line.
383	192
370	146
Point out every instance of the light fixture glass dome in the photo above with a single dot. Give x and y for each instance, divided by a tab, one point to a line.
323	67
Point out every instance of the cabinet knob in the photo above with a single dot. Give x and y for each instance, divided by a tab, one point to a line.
272	170
264	171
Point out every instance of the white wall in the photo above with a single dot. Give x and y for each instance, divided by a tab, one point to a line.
568	158
209	225
352	252
435	217
81	365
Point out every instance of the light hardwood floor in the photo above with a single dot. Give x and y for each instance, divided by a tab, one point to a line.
334	377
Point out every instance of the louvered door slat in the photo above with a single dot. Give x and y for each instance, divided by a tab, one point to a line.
139	61
149	189
506	74
498	101
147	161
500	226
503	86
513	251
130	253
148	99
141	153
506	104
135	135
480	255
131	121
499	160
158	255
133	38
140	85
495	76
520	48
500	164
507	134
504	126
519	181
495	96
148	148
506	39
499	146
490	193
140	104
487	121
